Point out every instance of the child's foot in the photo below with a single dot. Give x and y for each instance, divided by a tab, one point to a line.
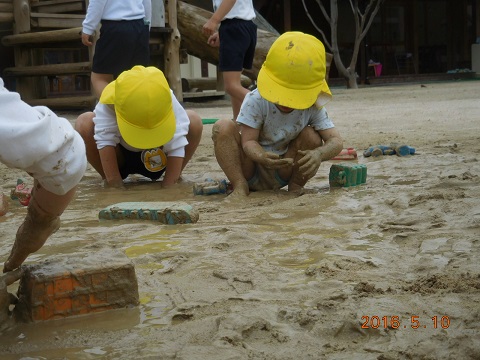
239	193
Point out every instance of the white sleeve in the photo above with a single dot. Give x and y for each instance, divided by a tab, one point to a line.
94	16
38	141
147	5
176	146
106	127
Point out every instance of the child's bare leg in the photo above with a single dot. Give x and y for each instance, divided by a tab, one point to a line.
233	86
194	136
99	81
86	128
42	220
226	140
308	139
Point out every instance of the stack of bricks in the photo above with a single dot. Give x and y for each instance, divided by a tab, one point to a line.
76	286
347	175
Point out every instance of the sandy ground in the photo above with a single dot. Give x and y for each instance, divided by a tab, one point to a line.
385	270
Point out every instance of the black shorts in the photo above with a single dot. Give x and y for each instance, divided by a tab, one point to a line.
150	163
238	39
121	45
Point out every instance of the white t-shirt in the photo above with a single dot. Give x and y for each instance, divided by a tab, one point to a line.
278	129
36	140
243	9
108	134
115	10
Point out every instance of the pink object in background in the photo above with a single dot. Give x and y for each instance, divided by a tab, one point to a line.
22	193
377	67
346	154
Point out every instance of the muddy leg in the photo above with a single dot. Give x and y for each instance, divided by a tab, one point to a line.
226	140
42	220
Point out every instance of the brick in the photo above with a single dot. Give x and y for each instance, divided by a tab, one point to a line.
76	285
165	212
346	175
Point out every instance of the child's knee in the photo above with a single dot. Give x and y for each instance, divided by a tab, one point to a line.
310	138
84	124
223	127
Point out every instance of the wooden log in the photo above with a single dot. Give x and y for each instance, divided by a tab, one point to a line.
21	13
51	69
172	51
42	37
71	102
60	21
209	83
6	7
6	17
58	6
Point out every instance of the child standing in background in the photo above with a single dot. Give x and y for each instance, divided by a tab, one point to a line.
124	38
237	39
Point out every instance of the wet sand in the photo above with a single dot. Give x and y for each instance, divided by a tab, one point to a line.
385	270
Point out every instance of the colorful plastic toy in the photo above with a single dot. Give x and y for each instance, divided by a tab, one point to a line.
400	150
210	187
22	193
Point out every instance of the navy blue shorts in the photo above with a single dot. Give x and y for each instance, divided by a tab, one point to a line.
121	46
238	39
150	163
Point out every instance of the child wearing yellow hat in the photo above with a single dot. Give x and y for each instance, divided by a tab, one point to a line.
139	127
283	132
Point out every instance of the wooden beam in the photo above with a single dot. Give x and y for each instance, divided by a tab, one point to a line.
6	7
42	37
60	21
6	17
172	51
50	69
208	83
70	102
63	6
21	13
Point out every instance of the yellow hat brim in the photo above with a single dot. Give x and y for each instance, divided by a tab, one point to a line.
142	138
270	90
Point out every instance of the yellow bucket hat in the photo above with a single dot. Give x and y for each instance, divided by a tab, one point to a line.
293	74
143	105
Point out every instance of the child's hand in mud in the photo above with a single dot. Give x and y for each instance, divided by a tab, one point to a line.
309	163
274	161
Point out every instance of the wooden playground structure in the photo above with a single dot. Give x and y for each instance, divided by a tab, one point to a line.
52	67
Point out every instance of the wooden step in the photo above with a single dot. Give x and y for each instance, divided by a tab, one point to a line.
43	37
49	70
58	21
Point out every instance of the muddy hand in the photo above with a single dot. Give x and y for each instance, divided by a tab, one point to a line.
309	163
274	161
31	235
